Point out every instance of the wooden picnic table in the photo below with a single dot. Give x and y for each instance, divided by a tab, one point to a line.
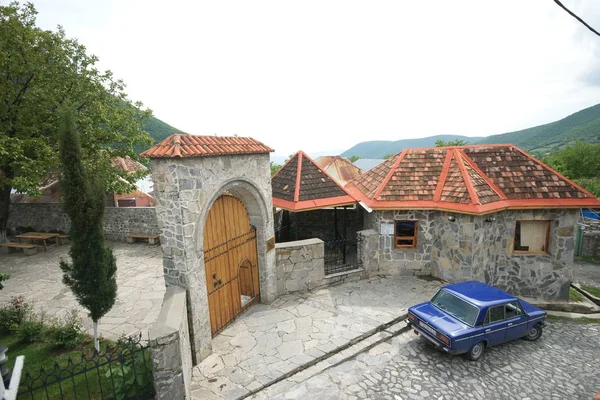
39	236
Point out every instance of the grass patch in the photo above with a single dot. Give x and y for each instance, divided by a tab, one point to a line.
574	295
583	320
591	290
45	355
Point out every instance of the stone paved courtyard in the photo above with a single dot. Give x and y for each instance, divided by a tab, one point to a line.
562	364
270	340
141	286
586	273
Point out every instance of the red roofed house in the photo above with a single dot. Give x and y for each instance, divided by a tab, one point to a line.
491	213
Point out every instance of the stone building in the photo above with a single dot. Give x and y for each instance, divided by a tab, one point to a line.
491	213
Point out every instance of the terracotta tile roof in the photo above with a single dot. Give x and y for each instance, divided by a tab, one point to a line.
472	179
302	185
186	145
127	164
339	168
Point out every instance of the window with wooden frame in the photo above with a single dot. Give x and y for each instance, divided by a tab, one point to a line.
405	234
532	237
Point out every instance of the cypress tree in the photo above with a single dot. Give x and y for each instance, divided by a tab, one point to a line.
91	275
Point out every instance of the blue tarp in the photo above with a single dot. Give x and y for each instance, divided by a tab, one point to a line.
593	214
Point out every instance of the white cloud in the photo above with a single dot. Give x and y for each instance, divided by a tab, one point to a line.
318	75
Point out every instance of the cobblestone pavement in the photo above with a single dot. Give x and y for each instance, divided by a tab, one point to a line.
586	273
269	341
562	364
141	286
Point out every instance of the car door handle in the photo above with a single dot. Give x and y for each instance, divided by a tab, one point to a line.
510	324
487	330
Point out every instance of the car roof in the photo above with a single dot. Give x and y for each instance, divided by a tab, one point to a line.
479	293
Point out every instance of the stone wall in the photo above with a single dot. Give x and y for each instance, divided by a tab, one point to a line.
591	244
118	221
300	265
185	189
477	247
170	348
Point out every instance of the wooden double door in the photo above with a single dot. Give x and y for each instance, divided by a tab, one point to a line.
230	261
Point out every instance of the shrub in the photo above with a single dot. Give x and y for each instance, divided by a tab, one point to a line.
67	334
30	331
131	374
12	315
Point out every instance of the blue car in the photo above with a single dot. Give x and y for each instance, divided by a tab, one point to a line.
467	317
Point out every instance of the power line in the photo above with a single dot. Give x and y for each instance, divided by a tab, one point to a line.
576	17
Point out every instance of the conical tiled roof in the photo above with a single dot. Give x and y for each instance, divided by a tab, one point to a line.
471	179
302	185
186	145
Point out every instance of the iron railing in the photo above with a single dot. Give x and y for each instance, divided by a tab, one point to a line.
121	371
342	255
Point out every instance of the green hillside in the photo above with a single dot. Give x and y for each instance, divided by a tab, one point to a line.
380	148
159	130
584	125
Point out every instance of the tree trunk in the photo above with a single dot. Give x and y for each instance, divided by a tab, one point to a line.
4	211
96	341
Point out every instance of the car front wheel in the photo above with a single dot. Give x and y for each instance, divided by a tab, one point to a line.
534	333
476	351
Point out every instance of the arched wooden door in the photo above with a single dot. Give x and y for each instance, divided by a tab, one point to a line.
230	261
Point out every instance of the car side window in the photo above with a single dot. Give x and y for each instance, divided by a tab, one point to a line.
513	309
495	314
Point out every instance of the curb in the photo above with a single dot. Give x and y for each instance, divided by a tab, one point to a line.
333	352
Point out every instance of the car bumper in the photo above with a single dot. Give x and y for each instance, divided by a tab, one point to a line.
437	344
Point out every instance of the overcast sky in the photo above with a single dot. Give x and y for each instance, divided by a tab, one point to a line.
324	75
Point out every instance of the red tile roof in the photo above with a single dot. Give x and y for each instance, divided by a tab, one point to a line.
185	145
472	179
302	185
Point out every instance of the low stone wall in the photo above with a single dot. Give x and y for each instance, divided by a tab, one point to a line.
300	265
118	221
591	244
170	348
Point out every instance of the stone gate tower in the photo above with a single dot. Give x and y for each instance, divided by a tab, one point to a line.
190	173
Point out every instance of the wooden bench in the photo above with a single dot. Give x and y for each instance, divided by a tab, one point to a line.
28	249
152	239
60	239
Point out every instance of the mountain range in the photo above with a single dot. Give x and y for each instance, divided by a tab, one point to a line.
583	125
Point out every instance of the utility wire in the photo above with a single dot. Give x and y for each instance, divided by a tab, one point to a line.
576	17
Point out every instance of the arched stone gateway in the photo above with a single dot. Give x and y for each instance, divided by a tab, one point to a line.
210	191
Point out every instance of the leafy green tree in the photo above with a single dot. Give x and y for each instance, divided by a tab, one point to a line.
91	275
3	277
353	158
456	142
274	168
42	71
579	162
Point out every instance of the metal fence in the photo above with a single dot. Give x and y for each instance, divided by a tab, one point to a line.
120	371
342	255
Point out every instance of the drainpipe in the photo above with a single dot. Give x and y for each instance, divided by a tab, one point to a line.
579	241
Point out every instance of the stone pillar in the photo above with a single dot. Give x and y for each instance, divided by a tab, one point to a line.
170	348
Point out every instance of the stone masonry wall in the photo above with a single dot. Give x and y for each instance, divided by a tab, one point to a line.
300	265
118	221
479	248
170	348
389	261
185	189
591	244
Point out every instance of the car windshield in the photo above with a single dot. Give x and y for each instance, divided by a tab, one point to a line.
456	307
